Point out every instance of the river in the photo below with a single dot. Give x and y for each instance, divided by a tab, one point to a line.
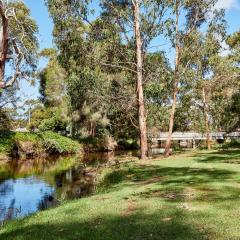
33	185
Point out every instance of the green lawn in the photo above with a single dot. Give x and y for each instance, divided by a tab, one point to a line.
189	196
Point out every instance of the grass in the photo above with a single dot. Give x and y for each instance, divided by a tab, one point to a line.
188	196
44	142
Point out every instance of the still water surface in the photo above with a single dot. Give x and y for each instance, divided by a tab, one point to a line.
32	185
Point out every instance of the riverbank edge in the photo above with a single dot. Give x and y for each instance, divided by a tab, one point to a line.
27	145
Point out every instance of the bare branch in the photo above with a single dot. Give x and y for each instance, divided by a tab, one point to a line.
17	72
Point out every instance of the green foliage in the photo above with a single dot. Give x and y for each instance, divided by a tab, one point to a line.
22	31
54	143
91	74
54	123
234	143
52	80
48	141
5	121
128	144
37	116
9	140
46	119
6	141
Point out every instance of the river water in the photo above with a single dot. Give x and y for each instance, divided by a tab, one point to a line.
33	185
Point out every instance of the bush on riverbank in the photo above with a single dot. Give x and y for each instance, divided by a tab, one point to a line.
234	143
26	143
102	144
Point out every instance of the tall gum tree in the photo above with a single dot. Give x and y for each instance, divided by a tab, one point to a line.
193	15
140	96
145	20
137	21
18	42
214	73
176	79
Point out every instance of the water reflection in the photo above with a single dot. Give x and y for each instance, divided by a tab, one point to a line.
74	183
32	185
20	197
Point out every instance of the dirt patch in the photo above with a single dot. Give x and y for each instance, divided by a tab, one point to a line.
185	195
132	207
4	158
152	180
232	161
102	198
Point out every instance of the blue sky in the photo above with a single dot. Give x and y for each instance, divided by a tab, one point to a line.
40	14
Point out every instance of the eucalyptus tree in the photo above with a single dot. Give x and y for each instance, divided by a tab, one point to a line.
52	78
229	75
138	22
216	75
77	55
157	90
188	21
213	77
18	42
114	43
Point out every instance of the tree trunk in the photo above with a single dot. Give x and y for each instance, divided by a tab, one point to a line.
175	87
3	44
140	96
205	110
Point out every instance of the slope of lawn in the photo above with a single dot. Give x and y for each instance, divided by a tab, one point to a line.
190	196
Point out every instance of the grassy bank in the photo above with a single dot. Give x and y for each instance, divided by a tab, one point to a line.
190	196
38	143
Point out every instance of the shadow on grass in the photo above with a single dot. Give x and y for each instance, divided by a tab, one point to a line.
173	183
223	156
136	226
229	195
179	176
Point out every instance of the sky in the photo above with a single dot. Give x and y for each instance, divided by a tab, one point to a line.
40	14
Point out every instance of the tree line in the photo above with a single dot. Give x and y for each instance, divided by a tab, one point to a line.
126	68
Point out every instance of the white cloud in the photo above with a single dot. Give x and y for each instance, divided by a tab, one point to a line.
227	4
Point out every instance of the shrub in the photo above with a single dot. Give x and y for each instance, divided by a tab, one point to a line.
234	143
128	144
48	141
55	143
52	124
6	141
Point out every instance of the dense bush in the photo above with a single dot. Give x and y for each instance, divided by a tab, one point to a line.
47	119
52	124
48	142
234	143
128	144
9	139
55	143
5	121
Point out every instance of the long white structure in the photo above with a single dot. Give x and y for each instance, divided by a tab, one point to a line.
194	136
